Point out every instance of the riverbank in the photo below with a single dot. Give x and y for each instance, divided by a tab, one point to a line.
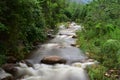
104	48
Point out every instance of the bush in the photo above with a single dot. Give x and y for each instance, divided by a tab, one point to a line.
111	46
109	53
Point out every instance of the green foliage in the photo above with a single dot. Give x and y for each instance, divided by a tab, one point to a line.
101	34
118	57
97	73
2	27
109	52
110	46
2	59
25	22
53	11
75	12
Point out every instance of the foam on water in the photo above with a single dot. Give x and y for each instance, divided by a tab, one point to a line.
53	72
3	74
59	46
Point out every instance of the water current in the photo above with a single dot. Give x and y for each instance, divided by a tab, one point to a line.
61	46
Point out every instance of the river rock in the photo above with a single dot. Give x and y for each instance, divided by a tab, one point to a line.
50	36
113	73
10	68
5	76
87	60
27	62
74	45
74	36
53	60
8	78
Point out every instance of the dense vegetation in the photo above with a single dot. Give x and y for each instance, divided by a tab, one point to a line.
100	36
23	23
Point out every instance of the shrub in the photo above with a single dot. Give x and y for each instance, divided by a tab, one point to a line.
111	46
109	53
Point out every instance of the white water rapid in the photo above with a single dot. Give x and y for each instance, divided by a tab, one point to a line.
74	69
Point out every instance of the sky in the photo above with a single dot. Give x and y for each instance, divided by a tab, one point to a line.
85	1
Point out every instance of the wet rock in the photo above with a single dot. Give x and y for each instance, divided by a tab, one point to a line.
73	45
50	33
113	73
35	43
60	34
27	62
74	36
87	60
8	78
77	64
77	46
50	36
85	64
11	59
53	60
5	76
9	68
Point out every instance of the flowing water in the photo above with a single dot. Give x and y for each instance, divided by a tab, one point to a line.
59	46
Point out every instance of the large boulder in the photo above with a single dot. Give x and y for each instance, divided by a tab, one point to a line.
51	60
9	68
5	76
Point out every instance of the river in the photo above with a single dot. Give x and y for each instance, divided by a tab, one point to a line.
61	45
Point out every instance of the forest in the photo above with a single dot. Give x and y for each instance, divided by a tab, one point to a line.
25	23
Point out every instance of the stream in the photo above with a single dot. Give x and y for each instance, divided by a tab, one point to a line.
62	45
